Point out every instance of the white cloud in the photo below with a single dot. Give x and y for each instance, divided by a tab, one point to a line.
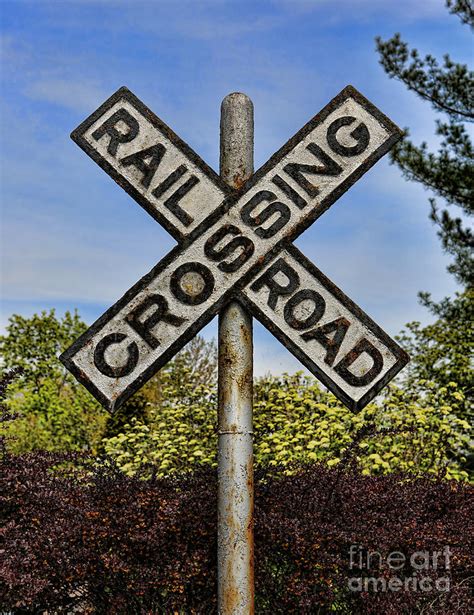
80	95
407	11
219	27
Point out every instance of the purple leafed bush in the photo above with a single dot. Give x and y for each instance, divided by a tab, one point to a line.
77	535
109	543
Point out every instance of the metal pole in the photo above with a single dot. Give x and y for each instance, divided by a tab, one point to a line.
235	456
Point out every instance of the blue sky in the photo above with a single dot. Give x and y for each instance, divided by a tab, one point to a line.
72	238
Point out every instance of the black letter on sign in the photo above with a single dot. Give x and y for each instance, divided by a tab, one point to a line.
238	242
275	288
265	214
161	314
319	305
295	169
183	294
360	134
169	181
104	367
155	152
290	192
116	137
332	345
359	381
172	202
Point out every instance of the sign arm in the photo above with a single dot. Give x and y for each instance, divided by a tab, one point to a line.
279	323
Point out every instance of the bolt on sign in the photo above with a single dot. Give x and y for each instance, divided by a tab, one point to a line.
236	245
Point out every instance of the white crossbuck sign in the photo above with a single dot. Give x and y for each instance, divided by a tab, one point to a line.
235	245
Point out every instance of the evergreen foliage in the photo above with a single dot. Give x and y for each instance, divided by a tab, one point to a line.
449	89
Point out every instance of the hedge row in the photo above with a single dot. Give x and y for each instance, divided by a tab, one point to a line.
88	536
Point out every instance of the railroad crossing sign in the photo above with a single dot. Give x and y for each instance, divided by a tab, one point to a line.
235	245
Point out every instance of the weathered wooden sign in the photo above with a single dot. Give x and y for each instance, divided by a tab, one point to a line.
144	156
236	245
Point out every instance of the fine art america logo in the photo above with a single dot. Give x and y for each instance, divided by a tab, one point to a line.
420	571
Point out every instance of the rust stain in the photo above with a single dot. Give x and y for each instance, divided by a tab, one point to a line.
231	593
238	180
249	535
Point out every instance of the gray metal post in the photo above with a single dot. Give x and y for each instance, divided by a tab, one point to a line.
235	457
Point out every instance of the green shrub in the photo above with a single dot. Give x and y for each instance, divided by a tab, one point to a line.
295	420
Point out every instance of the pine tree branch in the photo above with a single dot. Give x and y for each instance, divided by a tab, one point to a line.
448	177
449	89
463	9
458	241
